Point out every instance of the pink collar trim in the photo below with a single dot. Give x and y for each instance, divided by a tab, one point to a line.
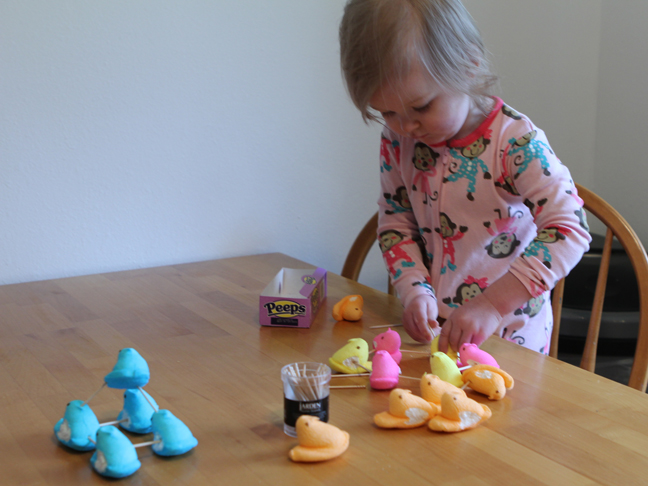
480	131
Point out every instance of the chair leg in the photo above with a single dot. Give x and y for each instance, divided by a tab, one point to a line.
556	304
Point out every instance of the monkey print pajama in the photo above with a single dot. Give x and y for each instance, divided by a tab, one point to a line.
456	217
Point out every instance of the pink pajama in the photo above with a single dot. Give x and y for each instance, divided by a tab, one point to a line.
456	217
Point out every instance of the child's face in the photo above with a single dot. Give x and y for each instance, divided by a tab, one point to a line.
419	108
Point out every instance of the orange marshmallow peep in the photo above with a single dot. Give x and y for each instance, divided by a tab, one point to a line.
318	441
433	388
489	380
458	412
348	309
406	411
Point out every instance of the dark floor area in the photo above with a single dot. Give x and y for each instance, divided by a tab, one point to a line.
613	361
615	368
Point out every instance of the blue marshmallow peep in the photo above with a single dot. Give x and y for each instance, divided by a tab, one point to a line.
137	411
131	371
115	456
78	422
174	436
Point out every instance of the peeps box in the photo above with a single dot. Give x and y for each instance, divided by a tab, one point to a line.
292	298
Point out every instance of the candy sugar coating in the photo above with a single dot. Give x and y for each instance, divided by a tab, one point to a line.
349	308
78	423
445	368
470	355
115	456
174	436
353	357
130	371
389	341
406	411
318	441
137	411
384	372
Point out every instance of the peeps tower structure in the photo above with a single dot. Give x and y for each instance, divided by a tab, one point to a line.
114	454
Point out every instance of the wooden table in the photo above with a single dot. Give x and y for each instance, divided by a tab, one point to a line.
217	370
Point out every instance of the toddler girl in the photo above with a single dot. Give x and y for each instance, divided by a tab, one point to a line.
478	217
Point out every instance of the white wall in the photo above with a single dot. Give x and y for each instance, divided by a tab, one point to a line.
142	133
621	171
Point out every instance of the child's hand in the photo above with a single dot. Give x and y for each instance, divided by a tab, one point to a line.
419	318
473	322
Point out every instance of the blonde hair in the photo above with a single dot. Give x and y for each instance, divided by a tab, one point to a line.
380	40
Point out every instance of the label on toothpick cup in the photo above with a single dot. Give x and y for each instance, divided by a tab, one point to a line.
293	409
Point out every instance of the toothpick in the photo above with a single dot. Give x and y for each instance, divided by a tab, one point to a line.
409	378
385	325
463	387
114	422
92	440
465	367
93	395
144	444
356	361
146	398
414	352
348	386
350	375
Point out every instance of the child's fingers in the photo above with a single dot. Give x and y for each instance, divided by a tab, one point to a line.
443	336
455	337
423	330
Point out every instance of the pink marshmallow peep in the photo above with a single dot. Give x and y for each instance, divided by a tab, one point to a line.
471	355
384	371
389	341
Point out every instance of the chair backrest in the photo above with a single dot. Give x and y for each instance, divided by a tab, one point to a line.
357	255
617	227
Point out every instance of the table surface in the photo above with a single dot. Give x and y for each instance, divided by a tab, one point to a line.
217	370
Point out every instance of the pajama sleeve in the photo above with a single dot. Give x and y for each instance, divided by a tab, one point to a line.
549	193
399	236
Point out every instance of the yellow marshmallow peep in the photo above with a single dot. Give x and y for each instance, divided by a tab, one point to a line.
434	348
446	368
353	357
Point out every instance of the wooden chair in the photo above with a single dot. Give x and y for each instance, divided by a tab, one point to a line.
617	227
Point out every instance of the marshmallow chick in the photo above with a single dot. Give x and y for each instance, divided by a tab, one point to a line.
389	341
115	456
384	372
471	355
174	436
434	348
458	412
78	423
445	368
433	388
348	357
489	380
131	371
137	411
349	308
318	441
406	411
